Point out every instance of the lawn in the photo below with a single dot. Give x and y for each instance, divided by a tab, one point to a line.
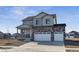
10	42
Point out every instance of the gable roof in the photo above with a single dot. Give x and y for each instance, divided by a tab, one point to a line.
41	13
72	31
23	26
30	18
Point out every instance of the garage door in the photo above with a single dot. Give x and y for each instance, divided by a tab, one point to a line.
59	36
43	36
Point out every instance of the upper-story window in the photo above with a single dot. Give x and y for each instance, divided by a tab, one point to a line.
47	21
37	21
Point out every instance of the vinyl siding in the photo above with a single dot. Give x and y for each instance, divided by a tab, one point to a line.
39	22
42	22
51	20
28	22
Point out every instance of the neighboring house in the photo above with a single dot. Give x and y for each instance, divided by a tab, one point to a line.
73	34
7	35
1	35
42	27
16	35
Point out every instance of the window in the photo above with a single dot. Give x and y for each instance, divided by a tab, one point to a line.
37	21
47	21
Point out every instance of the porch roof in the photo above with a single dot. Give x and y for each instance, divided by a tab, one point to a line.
23	26
60	24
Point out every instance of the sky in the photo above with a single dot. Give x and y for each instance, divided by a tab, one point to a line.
12	16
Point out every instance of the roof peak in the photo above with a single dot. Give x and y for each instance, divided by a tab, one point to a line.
46	14
42	12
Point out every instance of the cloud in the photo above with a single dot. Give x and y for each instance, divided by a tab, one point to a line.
18	10
23	11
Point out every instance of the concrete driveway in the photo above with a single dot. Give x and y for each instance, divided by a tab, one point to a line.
39	47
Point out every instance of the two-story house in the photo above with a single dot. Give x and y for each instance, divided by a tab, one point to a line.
42	27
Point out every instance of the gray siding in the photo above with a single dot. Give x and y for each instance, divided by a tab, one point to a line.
42	21
50	19
28	22
39	20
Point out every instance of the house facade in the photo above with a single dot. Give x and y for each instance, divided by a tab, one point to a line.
1	35
41	27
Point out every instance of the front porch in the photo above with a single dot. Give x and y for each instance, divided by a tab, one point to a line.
26	32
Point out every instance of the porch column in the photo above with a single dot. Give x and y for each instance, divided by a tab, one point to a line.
30	33
17	30
21	31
